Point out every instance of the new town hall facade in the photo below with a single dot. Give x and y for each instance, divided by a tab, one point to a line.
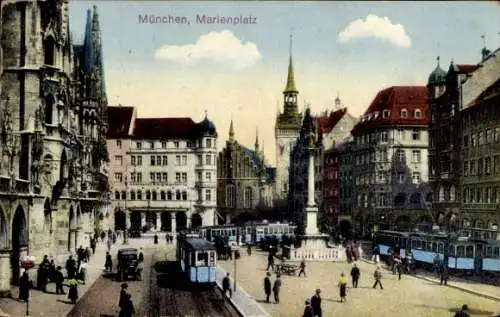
53	124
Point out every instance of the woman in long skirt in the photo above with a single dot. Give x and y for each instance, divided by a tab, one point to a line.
343	288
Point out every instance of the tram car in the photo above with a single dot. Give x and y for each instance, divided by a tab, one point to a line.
278	230
230	232
464	254
198	260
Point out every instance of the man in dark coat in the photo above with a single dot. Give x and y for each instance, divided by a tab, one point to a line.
59	279
316	304
128	307
123	295
302	268
270	261
108	265
267	286
277	289
93	244
355	274
71	267
444	275
464	312
24	287
226	286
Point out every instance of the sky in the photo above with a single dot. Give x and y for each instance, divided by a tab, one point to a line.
184	66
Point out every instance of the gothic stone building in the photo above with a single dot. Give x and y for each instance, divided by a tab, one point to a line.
480	161
53	123
445	142
244	182
163	171
390	161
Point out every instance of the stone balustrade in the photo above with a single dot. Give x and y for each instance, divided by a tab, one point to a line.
335	254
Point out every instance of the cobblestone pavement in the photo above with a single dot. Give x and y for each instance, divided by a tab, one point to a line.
50	304
410	296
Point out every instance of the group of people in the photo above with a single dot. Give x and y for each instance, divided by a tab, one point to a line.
352	250
274	287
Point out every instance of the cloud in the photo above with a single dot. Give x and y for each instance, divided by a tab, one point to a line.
220	47
375	26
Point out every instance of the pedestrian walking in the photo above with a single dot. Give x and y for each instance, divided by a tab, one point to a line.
444	275
59	279
71	267
109	243
73	291
249	249
226	286
355	274
82	272
141	256
343	288
277	289
399	269
24	287
308	310
52	271
267	286
127	309
376	254
316	303
123	295
108	265
270	261
464	312
302	268
377	275
93	244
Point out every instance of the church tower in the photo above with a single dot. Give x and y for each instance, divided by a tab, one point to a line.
287	130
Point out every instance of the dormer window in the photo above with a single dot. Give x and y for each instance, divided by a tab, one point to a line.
418	113
403	113
386	114
375	116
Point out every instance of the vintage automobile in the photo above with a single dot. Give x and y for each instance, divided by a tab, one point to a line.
128	261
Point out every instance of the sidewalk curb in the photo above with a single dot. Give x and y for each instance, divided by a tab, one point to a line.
463	289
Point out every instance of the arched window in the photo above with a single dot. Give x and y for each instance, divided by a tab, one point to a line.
148	195
230	196
49	109
177	195
154	195
452	193
48	51
441	193
418	113
117	195
139	195
162	195
247	198
184	195
132	195
403	113
169	195
124	195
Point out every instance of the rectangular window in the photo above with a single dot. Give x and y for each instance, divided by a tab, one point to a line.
152	160
139	161
384	136
118	177
473	168
496	164
132	177
138	145
152	145
119	144
184	160
209	142
416	156
132	160
177	160
416	177
415	135
119	160
164	177
401	177
152	177
158	177
163	145
176	144
401	134
401	155
473	140
139	178
199	159
178	177
208	160
198	176
165	160
208	195
184	178
158	160
208	176
466	168
230	196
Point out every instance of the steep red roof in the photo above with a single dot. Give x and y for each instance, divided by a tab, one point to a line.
165	128
465	69
386	108
119	120
325	124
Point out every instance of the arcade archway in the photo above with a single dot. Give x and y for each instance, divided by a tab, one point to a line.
196	220
166	221
120	219
19	240
135	220
180	221
3	231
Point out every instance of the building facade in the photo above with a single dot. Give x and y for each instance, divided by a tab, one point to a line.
347	199
244	182
53	123
390	161
480	159
445	142
287	129
162	170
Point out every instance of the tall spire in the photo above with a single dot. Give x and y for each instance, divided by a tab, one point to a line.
290	82
257	140
231	131
98	56
88	44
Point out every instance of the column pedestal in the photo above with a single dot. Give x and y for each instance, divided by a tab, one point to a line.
143	219
174	228
5	274
158	221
